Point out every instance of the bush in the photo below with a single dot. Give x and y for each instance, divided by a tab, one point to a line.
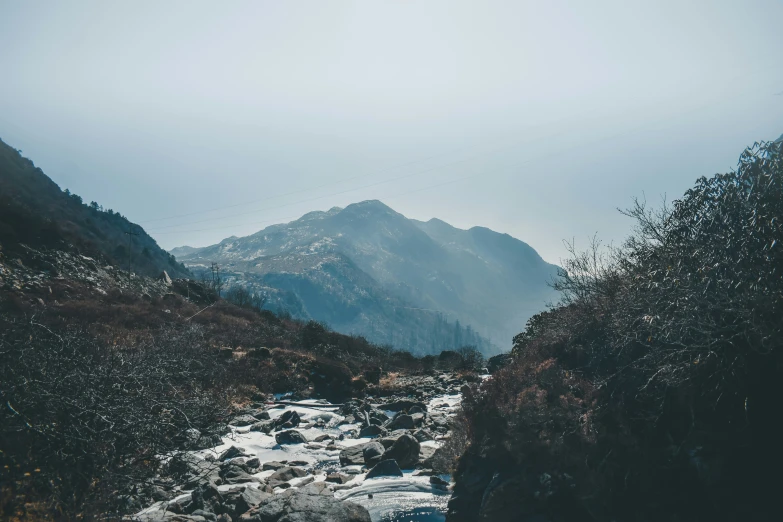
83	422
655	384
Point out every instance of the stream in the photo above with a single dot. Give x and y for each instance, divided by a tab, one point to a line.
416	496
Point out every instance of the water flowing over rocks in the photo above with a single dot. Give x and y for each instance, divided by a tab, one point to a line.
364	460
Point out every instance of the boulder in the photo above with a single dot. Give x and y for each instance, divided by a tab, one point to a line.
385	468
284	475
423	435
401	421
243	420
289	419
272	465
426	453
242	500
236	474
303	506
232	453
372	453
338	478
290	437
266	426
405	451
372	431
353	455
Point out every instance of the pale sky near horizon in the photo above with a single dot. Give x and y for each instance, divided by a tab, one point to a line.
537	119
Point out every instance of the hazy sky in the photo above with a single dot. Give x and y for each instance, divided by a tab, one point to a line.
534	118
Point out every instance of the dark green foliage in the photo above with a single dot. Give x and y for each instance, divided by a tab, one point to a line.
35	212
655	385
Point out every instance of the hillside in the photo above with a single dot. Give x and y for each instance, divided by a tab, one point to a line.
651	392
35	212
369	270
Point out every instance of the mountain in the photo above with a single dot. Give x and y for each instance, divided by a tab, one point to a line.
368	270
36	213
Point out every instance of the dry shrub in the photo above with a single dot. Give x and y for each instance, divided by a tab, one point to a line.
655	384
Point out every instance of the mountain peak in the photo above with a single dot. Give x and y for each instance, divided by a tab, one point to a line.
372	205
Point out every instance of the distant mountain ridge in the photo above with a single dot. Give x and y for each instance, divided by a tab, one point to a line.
368	270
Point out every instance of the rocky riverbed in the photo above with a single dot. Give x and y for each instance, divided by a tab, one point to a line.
290	460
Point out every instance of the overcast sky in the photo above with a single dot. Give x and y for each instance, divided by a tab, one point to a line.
535	118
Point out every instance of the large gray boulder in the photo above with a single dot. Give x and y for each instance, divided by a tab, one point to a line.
284	475
405	451
401	421
353	455
372	453
301	506
385	468
290	437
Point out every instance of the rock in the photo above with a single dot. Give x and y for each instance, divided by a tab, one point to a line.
423	435
265	426
437	481
302	506
272	465
205	497
352	455
372	453
372	431
290	437
391	438
426	453
206	515
405	451
253	463
401	421
208	441
385	468
289	419
317	488
259	353
196	470
418	419
258	413
243	420
192	435
287	473
401	405
166	279
236	474
338	478
232	453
